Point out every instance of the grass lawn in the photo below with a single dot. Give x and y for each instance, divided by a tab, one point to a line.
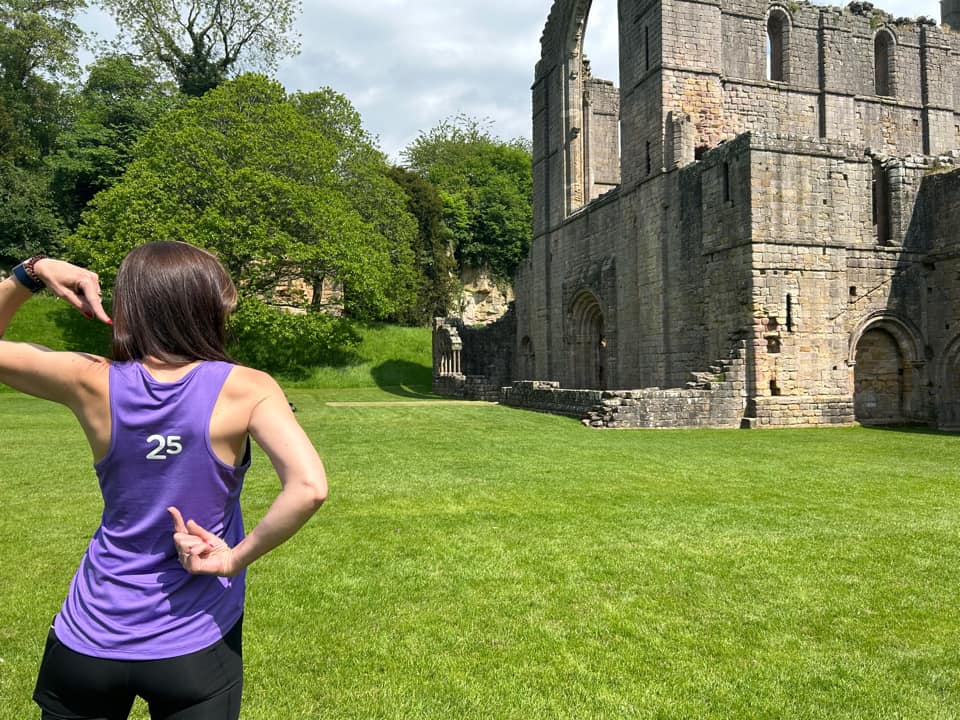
482	562
475	561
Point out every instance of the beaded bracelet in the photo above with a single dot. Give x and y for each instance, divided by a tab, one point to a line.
27	276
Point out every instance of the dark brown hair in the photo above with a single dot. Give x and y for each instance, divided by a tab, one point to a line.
171	301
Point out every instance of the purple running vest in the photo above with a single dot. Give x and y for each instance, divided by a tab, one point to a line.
130	598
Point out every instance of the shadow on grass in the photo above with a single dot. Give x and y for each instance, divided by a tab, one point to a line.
338	360
911	428
81	334
404	378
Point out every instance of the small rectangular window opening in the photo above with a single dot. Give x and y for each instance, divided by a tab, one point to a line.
881	203
649	159
646	46
789	312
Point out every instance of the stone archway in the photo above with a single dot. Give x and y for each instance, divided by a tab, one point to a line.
880	383
886	377
948	388
589	342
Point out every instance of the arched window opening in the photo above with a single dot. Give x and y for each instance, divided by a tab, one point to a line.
778	37
884	48
601	99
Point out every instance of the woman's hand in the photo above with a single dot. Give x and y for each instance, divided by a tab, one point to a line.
200	551
79	287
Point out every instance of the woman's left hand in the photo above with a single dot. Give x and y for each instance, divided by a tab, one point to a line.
200	551
76	285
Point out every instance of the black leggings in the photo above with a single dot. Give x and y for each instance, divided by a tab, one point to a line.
205	685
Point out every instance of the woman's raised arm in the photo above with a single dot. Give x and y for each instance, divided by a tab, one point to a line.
33	369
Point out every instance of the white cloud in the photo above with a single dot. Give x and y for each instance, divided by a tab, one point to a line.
408	64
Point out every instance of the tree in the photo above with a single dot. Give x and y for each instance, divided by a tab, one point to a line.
363	175
119	101
244	173
29	223
202	42
38	46
433	251
487	189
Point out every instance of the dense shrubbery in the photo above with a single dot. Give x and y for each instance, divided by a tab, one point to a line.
264	337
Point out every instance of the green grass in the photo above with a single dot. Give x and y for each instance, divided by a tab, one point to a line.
482	562
55	324
396	360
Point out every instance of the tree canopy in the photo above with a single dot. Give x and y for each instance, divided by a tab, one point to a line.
245	172
38	45
486	185
433	250
117	103
202	42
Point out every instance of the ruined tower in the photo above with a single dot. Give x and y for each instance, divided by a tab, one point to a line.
950	13
776	247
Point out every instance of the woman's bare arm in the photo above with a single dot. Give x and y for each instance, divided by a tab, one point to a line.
303	490
34	369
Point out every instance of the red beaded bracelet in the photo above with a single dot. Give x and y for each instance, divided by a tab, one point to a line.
27	275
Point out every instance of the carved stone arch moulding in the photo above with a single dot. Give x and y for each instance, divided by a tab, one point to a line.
904	333
583	306
947	364
885	43
778	28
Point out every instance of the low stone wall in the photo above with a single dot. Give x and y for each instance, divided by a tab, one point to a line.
719	406
793	411
449	385
466	387
549	397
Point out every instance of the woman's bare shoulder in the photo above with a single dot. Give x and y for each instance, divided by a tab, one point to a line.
251	384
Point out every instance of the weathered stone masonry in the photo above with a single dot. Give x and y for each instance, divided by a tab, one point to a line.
781	207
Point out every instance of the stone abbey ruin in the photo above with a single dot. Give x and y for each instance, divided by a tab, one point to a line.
759	227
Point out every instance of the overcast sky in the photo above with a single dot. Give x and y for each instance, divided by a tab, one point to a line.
408	64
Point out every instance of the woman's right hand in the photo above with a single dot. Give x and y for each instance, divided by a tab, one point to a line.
76	285
200	551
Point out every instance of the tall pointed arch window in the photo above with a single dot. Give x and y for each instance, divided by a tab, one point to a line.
778	45
884	56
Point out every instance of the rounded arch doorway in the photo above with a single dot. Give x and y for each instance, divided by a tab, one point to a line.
589	342
883	382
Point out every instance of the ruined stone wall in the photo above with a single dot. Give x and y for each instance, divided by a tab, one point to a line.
828	88
668	263
602	133
938	209
796	213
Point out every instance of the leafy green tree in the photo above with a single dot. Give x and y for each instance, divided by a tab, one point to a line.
119	101
38	47
29	223
202	42
362	173
243	172
487	189
433	251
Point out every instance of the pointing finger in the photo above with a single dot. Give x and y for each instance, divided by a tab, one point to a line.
90	293
178	524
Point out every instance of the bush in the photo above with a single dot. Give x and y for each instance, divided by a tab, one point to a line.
270	339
